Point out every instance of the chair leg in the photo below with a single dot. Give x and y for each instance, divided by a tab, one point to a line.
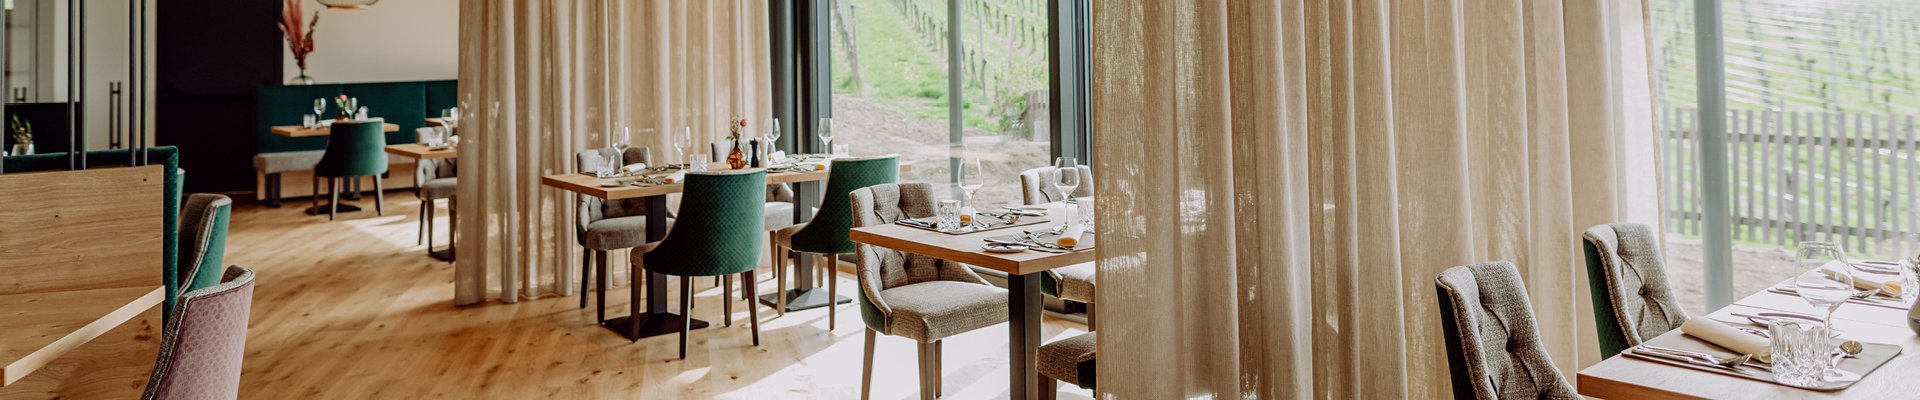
833	293
753	310
586	273
430	208
780	284
273	190
686	299
601	271
422	229
379	197
333	186
726	299
937	376
316	192
1049	389
928	373
866	367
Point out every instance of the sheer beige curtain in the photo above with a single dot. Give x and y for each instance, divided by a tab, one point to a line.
1282	181
544	79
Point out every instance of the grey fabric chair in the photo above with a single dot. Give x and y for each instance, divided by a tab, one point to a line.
206	338
1069	360
1632	301
1074	282
203	228
914	296
434	180
1493	343
604	225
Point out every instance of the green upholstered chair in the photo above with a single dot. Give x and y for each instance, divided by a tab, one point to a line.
1074	282
911	295
827	233
603	225
354	149
778	212
1632	301
203	226
717	234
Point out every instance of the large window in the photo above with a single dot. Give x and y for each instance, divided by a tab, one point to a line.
1820	132
895	75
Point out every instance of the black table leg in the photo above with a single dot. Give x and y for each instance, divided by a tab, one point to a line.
1023	309
655	320
804	294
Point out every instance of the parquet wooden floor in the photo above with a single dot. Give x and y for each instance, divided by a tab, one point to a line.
353	309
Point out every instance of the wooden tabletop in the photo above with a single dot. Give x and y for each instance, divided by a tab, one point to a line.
36	328
436	122
421	151
301	131
1622	377
966	248
590	185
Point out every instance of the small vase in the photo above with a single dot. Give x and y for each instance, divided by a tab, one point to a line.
22	149
302	79
736	159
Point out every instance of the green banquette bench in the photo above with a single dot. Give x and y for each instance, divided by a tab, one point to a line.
407	104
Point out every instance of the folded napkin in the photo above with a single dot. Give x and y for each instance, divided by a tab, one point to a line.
676	177
632	168
1725	336
778	156
1071	237
1889	284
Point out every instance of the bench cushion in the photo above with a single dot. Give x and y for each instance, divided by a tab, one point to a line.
289	161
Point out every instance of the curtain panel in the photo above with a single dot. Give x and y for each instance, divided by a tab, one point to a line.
1283	181
541	80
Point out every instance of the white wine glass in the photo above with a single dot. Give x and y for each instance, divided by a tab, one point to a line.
1066	177
319	108
826	134
450	117
683	142
773	134
1827	279
972	178
622	141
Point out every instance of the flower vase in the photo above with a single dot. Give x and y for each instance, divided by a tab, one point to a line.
22	149
302	79
736	159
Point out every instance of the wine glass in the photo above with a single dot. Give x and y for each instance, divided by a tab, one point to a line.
1066	177
622	141
683	142
773	133
450	117
826	134
319	108
972	178
1828	280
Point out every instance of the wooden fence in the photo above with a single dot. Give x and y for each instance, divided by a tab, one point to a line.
1846	178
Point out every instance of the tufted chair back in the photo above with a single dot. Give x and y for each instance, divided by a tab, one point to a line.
203	228
1036	185
1493	343
204	342
882	268
595	208
1632	301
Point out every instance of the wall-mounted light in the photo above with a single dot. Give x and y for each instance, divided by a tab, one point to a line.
347	4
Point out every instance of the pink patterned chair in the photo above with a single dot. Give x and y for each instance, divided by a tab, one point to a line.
201	351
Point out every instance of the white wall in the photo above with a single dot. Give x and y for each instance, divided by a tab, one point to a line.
395	40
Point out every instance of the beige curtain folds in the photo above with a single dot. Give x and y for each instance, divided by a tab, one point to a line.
1282	181
544	79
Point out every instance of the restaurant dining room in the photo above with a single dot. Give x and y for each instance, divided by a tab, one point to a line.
1084	199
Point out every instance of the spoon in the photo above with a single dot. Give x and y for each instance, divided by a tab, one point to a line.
1848	349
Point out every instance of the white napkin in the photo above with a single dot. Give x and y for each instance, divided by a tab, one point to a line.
1725	336
676	177
1074	230
1867	280
778	157
632	168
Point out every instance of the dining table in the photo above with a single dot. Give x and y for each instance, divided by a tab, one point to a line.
304	131
1874	320
654	319
1023	270
424	152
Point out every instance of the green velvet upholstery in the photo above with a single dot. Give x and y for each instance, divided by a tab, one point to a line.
1613	340
355	148
827	232
719	228
407	104
203	227
403	105
168	158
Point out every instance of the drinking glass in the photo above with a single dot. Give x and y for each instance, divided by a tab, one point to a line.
1827	281
683	142
621	141
319	107
698	164
826	133
450	117
1066	177
842	150
947	215
310	121
972	178
773	135
362	114
1802	351
1909	279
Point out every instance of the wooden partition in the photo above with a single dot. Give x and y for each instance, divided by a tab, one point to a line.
80	256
